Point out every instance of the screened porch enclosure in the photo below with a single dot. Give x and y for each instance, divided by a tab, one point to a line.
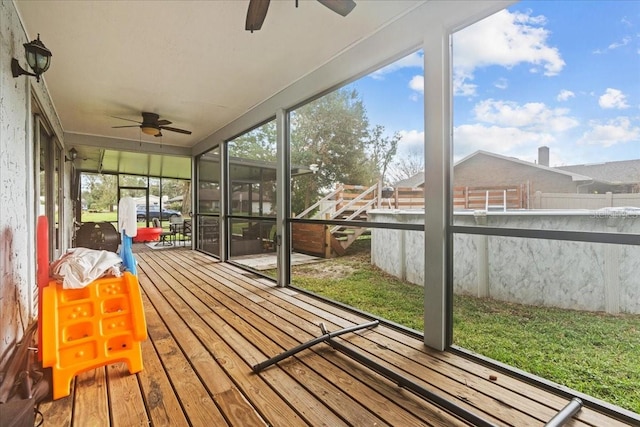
259	158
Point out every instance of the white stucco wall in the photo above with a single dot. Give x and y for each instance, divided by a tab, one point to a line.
15	161
17	189
566	274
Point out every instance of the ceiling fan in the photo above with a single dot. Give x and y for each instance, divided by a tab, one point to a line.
258	11
152	125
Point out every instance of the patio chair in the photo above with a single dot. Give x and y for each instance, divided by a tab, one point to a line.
176	226
186	229
165	234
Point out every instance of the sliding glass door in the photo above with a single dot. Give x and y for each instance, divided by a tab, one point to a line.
50	165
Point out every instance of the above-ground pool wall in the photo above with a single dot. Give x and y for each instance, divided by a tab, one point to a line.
574	275
398	252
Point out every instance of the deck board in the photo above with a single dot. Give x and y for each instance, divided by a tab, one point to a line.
125	402
219	371
160	397
175	351
92	402
209	323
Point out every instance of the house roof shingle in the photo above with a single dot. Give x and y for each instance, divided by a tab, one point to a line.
418	179
619	172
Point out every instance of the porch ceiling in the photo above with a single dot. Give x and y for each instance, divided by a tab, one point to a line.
191	62
149	164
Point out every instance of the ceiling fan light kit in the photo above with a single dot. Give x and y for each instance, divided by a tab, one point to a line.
150	130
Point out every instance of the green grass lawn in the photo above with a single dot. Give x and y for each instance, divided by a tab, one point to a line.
593	353
99	216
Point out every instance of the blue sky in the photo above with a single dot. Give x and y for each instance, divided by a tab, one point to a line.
565	74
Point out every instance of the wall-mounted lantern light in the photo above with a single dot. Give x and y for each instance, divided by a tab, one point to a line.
73	154
38	58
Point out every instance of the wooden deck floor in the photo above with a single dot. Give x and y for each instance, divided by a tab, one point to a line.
210	322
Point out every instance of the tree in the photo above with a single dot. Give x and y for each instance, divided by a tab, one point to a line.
407	166
257	144
330	132
382	150
100	191
253	182
186	197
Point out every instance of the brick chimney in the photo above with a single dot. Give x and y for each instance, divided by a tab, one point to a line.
543	156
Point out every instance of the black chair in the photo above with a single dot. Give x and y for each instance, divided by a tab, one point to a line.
186	229
163	236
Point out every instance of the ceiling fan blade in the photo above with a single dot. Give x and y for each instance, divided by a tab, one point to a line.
255	14
186	132
128	126
122	118
163	122
341	7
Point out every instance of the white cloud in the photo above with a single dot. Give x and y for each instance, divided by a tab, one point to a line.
506	39
614	131
411	141
564	95
417	84
501	83
413	60
532	115
613	98
508	141
625	41
615	45
461	85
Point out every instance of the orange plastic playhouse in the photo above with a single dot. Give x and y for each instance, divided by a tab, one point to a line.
83	329
90	327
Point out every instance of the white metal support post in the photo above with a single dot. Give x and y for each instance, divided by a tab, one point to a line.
283	201
437	111
223	226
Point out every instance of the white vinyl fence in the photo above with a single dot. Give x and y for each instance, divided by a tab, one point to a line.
583	201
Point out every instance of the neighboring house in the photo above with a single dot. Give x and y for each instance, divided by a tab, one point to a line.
485	169
415	181
616	177
142	201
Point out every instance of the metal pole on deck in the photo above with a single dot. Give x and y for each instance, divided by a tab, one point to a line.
262	365
416	388
566	413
